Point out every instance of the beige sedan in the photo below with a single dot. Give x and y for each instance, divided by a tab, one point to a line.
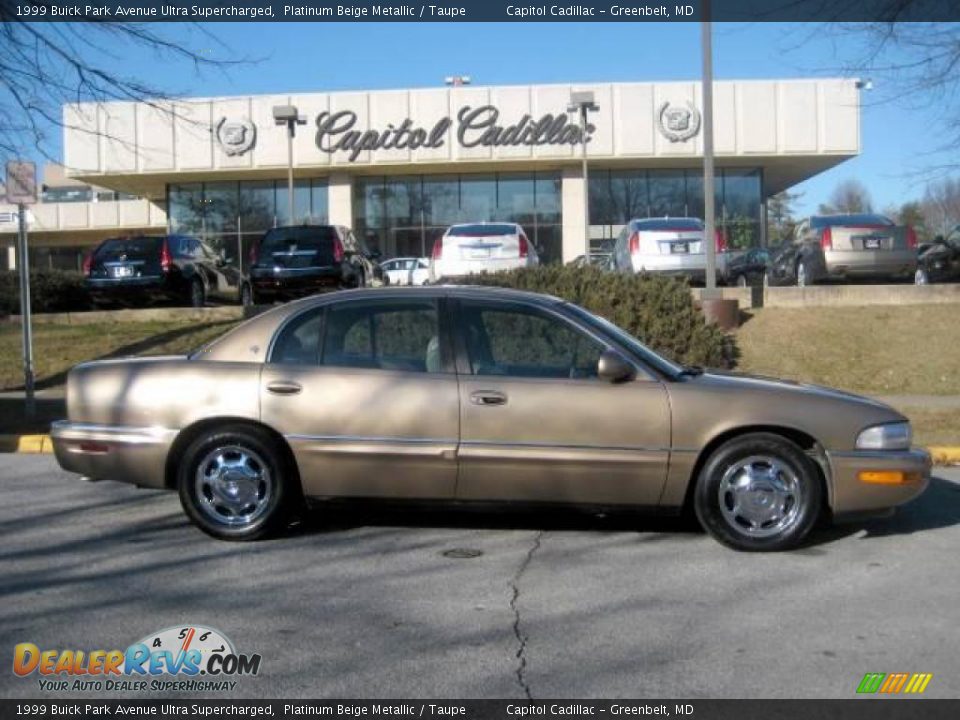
477	394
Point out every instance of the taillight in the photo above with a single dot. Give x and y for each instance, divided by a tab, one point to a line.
826	239
634	243
437	252
337	250
721	240
88	263
524	248
166	261
254	254
911	238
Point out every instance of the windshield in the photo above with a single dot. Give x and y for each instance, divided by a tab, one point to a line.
668	224
856	220
482	230
135	248
302	238
627	340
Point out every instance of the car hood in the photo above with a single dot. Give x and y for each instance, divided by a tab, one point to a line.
761	383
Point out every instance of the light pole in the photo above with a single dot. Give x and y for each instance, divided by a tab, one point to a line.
582	103
709	211
289	116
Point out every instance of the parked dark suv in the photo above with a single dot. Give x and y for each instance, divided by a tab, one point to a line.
291	262
145	269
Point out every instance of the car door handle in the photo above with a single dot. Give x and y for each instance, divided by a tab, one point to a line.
488	398
284	387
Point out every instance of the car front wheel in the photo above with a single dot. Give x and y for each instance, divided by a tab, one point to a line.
198	294
803	274
236	484
920	277
758	492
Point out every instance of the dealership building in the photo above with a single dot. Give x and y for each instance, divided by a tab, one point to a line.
399	166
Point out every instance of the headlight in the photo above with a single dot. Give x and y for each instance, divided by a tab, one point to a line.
892	436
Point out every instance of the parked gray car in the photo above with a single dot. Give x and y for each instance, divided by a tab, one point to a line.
840	247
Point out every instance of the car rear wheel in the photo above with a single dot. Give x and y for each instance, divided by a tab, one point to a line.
803	274
758	492
198	295
920	277
236	484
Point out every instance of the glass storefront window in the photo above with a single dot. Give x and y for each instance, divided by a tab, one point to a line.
301	203
668	194
185	208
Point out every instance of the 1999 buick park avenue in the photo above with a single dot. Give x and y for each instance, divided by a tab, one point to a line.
466	394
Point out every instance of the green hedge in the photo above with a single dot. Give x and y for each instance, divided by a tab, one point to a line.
50	291
657	310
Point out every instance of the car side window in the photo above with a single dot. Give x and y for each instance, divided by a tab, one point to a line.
299	341
400	335
519	341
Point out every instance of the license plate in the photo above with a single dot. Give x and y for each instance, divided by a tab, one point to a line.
478	253
679	248
122	271
871	243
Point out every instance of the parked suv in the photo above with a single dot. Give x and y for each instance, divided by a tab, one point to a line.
863	245
481	247
671	246
291	262
144	269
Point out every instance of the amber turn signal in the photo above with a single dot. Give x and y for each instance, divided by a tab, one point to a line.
888	477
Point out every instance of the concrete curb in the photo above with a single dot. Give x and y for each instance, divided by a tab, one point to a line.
41	444
27	444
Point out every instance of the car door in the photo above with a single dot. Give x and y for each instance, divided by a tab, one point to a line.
536	424
366	394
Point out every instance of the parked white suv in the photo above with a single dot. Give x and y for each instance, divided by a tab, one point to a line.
673	246
478	247
407	270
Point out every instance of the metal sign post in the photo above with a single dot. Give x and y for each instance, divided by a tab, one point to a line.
22	190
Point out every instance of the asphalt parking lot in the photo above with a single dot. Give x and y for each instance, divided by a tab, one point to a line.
363	604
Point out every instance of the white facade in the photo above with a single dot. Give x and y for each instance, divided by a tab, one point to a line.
792	129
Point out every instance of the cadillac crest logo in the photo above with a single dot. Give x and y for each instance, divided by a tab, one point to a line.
236	137
678	124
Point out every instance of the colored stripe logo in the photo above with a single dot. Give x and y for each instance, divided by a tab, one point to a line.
894	683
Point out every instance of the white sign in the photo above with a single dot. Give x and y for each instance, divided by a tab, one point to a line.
21	183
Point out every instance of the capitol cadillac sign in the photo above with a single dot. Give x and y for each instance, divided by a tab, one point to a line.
475	127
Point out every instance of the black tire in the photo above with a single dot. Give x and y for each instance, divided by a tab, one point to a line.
800	510
198	293
247	298
361	279
275	495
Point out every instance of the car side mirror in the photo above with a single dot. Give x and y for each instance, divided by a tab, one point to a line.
614	367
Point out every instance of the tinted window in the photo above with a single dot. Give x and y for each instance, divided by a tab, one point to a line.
849	220
383	336
482	230
520	342
137	248
299	341
667	224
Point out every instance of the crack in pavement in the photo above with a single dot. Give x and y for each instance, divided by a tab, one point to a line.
522	638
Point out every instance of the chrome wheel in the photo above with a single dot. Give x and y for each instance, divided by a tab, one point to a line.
760	496
741	281
233	486
921	277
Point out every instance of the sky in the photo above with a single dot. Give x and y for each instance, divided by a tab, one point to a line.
896	137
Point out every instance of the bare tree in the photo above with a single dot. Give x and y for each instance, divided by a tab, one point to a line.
850	196
941	205
46	65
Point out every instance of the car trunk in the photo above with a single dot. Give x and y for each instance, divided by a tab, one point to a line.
299	248
482	243
122	258
868	237
671	242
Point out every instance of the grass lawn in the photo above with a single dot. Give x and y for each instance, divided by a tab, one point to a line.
870	350
57	348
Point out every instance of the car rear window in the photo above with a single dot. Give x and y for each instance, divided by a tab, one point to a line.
482	230
857	220
315	239
135	248
667	224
